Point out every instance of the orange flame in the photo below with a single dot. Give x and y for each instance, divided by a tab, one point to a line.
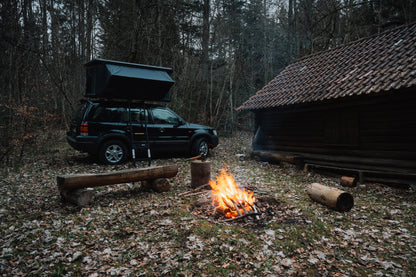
226	195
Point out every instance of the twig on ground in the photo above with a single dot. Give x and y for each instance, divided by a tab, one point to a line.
194	190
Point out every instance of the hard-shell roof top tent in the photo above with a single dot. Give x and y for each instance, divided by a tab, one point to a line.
120	80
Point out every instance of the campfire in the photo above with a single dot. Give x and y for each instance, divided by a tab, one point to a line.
230	200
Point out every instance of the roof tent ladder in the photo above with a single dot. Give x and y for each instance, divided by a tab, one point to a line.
149	156
131	131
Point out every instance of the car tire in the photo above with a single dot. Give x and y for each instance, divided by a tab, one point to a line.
200	147
113	152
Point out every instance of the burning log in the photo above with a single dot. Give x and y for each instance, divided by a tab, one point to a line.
200	173
332	197
242	216
230	200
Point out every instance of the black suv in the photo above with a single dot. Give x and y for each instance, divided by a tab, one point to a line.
109	129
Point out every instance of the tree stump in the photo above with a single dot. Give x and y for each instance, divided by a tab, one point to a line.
79	197
332	197
200	173
348	181
158	185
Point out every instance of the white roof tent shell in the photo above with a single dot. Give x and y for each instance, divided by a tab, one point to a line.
120	80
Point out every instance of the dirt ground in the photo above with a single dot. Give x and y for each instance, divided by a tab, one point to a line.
129	232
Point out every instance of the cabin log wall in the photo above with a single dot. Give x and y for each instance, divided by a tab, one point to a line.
378	127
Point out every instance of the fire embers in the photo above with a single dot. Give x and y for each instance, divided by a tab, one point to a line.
231	201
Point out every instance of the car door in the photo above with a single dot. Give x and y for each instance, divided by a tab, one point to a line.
139	118
167	131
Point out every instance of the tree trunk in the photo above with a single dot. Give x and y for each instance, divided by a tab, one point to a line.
332	197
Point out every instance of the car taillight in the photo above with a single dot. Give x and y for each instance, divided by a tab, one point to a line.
84	129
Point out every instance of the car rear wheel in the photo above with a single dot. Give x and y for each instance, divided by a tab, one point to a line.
113	152
200	147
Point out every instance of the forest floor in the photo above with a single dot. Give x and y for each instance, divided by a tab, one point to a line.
130	232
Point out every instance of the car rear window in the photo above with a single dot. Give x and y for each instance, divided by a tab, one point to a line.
79	112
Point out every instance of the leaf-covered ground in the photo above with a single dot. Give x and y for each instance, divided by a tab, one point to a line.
130	232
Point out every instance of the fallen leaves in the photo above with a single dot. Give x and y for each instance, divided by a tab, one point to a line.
130	232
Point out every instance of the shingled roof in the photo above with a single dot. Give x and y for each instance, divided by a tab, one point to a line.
367	66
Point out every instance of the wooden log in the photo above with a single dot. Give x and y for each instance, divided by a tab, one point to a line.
76	181
80	197
348	181
158	185
271	156
332	197
200	173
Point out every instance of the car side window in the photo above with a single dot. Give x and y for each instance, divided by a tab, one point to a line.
139	115
108	114
163	116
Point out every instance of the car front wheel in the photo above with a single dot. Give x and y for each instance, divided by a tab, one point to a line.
200	147
113	152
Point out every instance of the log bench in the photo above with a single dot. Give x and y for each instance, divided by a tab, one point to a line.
76	188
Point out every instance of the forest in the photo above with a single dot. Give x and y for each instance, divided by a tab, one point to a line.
221	52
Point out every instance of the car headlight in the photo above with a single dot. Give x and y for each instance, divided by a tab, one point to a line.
214	132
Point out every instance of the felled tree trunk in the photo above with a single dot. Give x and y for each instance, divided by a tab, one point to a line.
72	187
332	197
76	181
200	173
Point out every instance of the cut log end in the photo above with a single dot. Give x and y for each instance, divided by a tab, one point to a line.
348	181
345	202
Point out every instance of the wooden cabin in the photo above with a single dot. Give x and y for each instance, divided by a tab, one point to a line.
351	108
